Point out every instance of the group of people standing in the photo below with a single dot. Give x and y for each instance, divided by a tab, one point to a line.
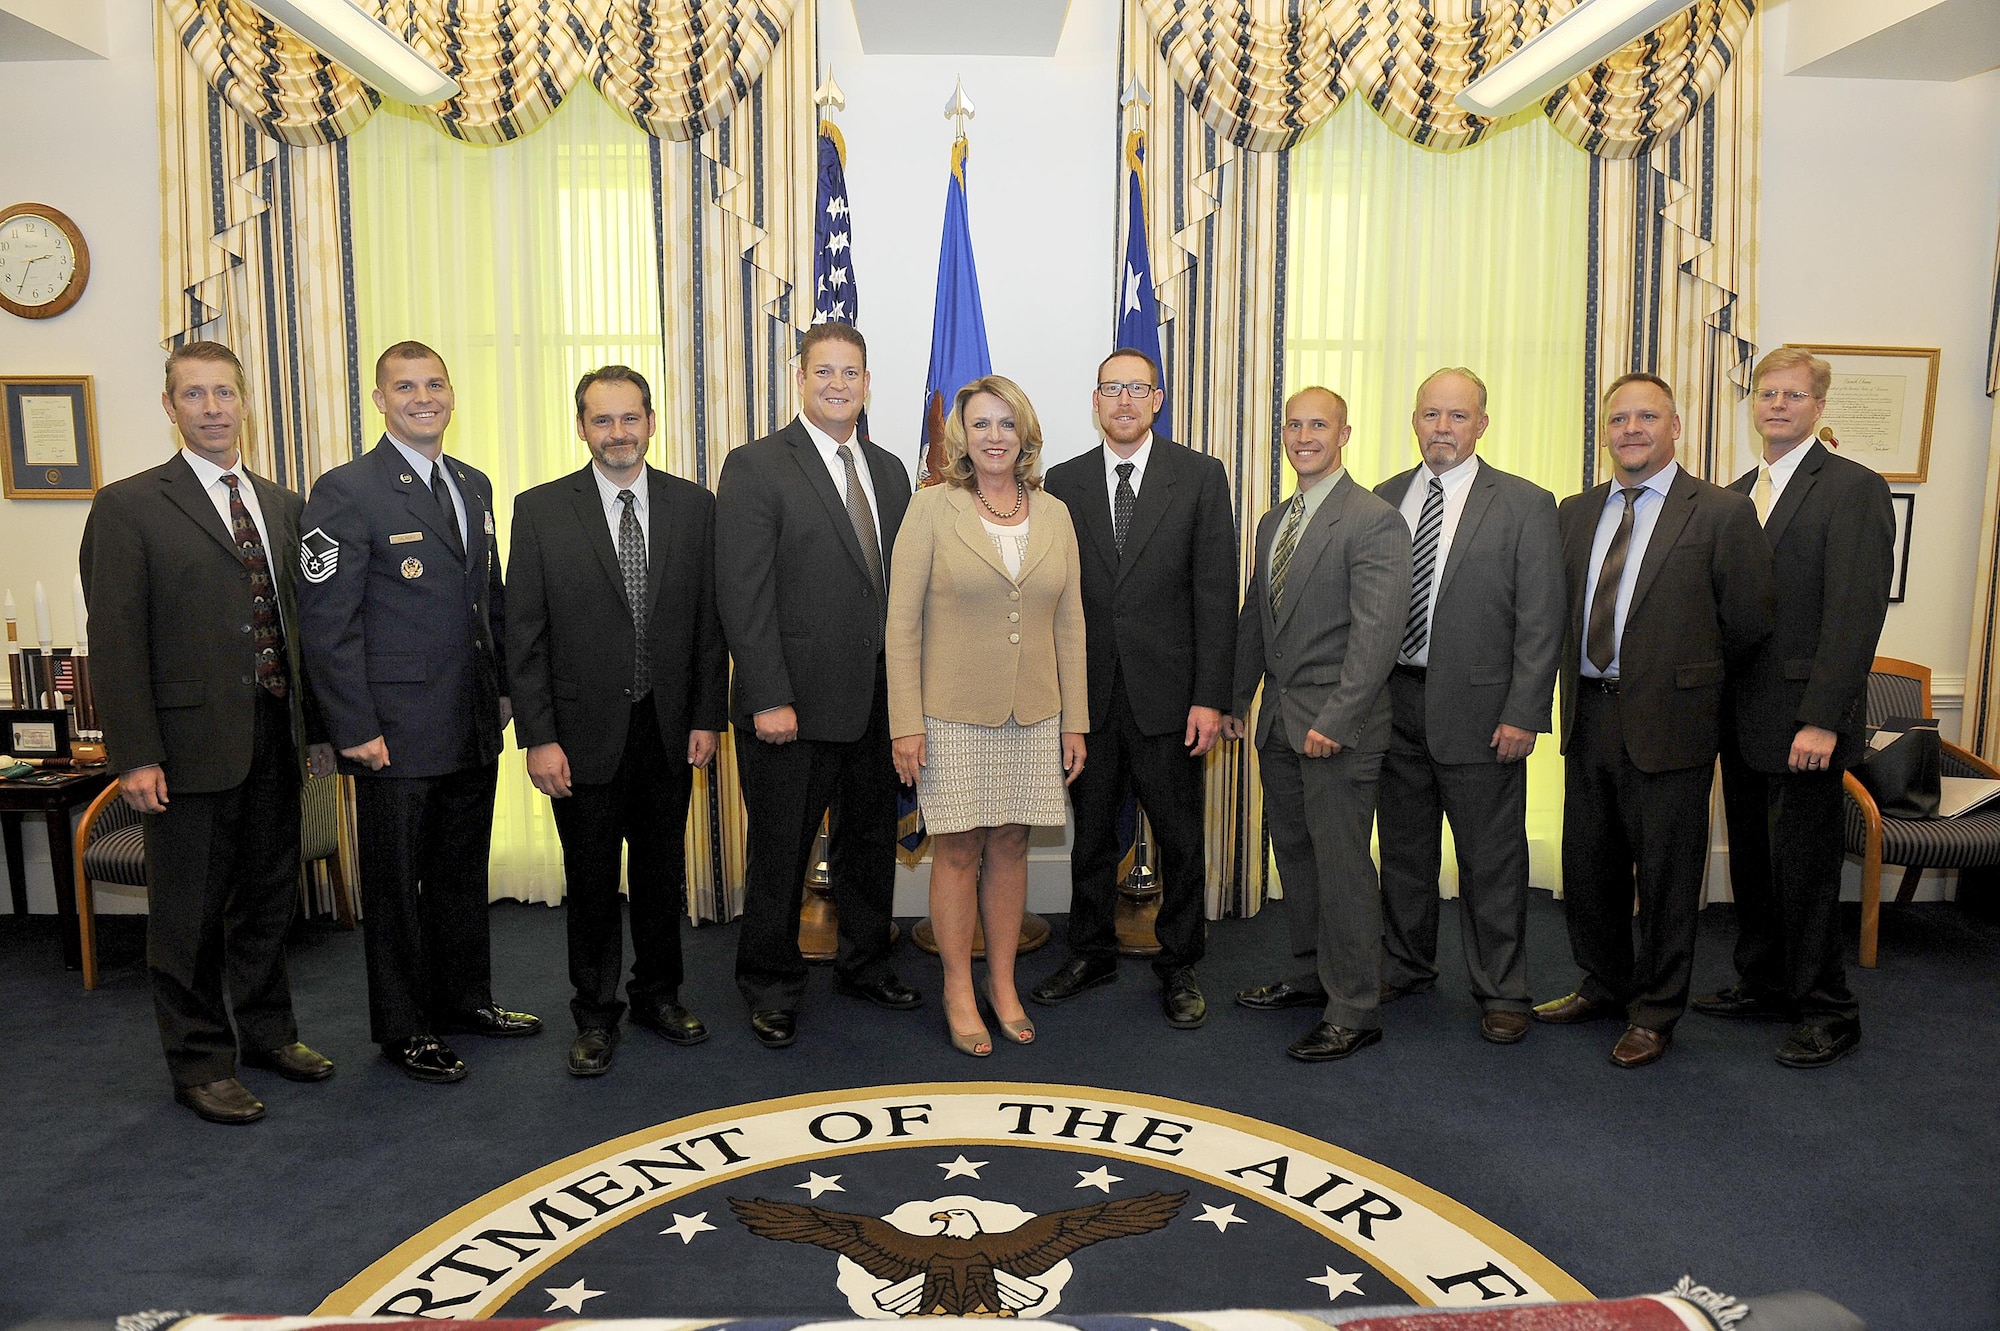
1021	650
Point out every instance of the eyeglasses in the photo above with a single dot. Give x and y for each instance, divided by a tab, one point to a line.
1116	391
1794	396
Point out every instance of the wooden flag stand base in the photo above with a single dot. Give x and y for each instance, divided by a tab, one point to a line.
1034	933
819	918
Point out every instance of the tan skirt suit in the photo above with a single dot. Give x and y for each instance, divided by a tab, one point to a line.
988	667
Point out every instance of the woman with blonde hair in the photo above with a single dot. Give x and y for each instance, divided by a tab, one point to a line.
987	702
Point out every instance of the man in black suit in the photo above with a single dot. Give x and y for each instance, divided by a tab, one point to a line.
1669	590
1158	541
210	722
805	520
1796	715
1475	675
404	619
620	684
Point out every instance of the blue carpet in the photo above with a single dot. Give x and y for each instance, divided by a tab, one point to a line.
1873	1182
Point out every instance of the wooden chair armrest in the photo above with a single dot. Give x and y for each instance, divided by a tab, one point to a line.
1972	760
1871	815
86	827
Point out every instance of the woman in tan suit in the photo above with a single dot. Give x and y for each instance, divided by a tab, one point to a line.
987	703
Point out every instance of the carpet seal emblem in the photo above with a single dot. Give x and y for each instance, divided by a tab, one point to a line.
995	1199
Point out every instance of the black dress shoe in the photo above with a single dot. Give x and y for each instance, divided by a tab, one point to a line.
225	1101
493	1022
590	1052
293	1062
670	1021
1073	977
1572	1009
1182	998
426	1058
888	992
1819	1042
1272	997
774	1029
1740	1000
1326	1042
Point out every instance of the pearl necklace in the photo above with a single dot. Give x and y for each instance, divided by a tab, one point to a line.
1020	498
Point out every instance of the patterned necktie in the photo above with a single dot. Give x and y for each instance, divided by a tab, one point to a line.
1281	555
1760	494
863	519
1423	564
267	632
1602	644
1121	506
447	512
632	563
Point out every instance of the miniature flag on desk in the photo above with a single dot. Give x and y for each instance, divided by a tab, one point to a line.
1138	311
834	299
958	324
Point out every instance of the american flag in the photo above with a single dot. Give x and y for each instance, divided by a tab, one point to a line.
833	262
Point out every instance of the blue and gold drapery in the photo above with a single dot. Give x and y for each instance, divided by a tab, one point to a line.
256	235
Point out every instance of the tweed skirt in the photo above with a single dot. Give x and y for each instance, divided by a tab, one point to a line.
988	776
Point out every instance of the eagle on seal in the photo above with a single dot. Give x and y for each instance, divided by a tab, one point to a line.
960	1270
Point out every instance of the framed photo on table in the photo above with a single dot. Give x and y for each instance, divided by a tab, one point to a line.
1880	406
48	426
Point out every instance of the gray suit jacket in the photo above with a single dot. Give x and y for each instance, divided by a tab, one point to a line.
1325	657
1497	617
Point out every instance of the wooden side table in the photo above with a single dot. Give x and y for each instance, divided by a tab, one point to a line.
55	802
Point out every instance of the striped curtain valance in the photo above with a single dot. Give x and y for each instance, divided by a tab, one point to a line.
1264	72
674	68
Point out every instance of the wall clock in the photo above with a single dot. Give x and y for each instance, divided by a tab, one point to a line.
44	264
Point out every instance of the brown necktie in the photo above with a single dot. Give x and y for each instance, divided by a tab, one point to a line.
267	633
1602	644
864	520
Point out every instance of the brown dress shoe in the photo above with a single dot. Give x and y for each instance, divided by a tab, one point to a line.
1503	1026
293	1062
1639	1046
1571	1009
225	1101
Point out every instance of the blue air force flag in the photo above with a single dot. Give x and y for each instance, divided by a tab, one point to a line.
958	324
1138	311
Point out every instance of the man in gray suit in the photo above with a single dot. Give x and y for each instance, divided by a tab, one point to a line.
1473	681
1321	620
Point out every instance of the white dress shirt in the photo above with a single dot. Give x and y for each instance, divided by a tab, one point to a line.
422	467
210	477
1645	516
1314	498
1457	485
614	510
829	454
1112	462
1782	470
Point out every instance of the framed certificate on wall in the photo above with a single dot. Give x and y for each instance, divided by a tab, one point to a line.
1880	406
48	425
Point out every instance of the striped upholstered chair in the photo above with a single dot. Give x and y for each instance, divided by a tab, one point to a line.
1903	688
111	848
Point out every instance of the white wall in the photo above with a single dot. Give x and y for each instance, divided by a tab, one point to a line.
84	140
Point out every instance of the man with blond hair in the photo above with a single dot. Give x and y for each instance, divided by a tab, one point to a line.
1796	714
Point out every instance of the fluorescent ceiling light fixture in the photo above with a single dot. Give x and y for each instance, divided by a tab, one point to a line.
348	35
1561	51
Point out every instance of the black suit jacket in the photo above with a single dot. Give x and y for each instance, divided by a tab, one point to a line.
1497	616
1166	609
569	627
1831	537
405	638
802	616
1700	607
172	661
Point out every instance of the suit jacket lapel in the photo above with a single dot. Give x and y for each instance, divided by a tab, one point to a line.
187	494
1803	479
806	453
589	508
416	490
1674	515
1093	520
660	520
892	496
973	532
1312	543
1155	493
1476	504
1267	531
477	538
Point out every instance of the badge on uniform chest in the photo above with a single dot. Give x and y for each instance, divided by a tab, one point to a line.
413	568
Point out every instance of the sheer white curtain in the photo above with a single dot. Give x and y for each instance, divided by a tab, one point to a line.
1404	260
524	265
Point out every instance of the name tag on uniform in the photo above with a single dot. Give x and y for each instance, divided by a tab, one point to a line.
405	537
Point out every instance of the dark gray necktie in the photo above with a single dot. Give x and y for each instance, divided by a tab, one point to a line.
1423	567
447	512
863	519
1121	506
1601	646
1281	553
632	563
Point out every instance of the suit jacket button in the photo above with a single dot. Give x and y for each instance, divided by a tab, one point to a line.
1013	616
249	679
1013	637
1013	596
627	692
246	628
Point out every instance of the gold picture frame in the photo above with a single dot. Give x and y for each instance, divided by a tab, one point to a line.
1872	406
48	436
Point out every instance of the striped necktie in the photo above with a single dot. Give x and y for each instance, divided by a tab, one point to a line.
1281	554
1423	565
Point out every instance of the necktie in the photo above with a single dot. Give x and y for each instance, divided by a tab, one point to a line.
1121	506
864	521
1760	494
1602	644
267	632
632	563
447	512
1423	563
1281	554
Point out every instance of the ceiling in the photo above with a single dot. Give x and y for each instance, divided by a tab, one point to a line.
961	27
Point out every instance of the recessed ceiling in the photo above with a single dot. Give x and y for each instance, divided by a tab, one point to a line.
53	30
1937	41
960	27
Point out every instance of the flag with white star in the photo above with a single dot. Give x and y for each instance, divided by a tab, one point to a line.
958	321
833	256
1138	310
